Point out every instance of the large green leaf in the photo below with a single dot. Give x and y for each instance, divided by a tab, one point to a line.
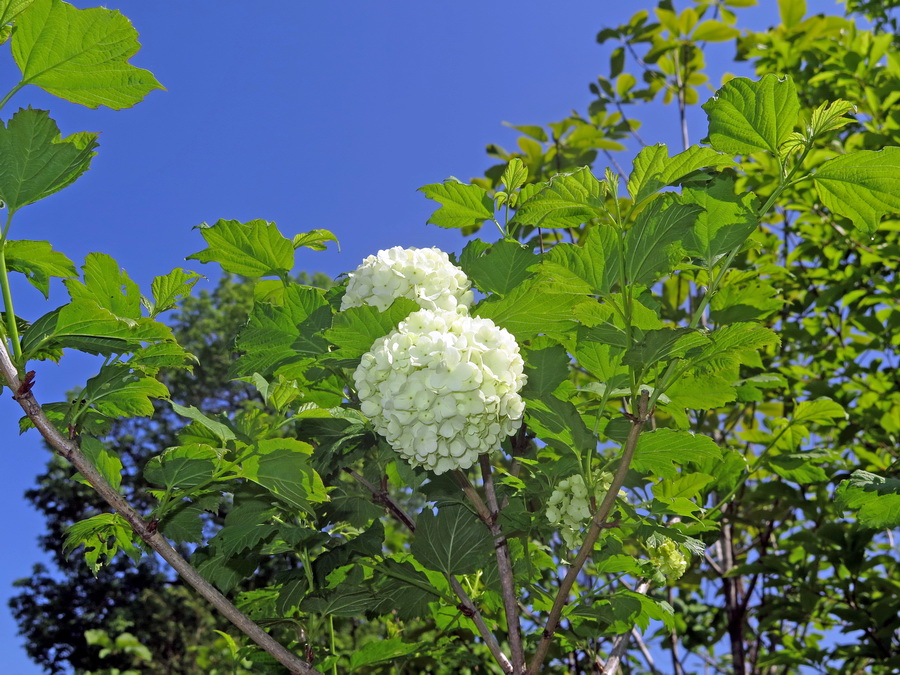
595	260
653	169
500	268
80	55
726	221
253	249
382	651
454	541
38	262
568	200
536	307
403	590
876	498
747	116
659	451
183	466
170	288
36	161
355	329
234	539
342	601
107	286
649	250
282	467
546	369
861	186
220	430
118	392
10	9
462	205
731	346
662	345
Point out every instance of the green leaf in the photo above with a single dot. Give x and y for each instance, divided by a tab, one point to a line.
221	431
104	460
253	249
714	31
663	344
568	200
501	268
183	466
861	186
402	589
281	466
366	545
80	55
726	221
454	541
791	11
747	116
355	329
800	467
102	535
830	116
536	307
876	498
234	539
10	9
349	602
660	450
546	369
38	262
594	261
382	651
820	411
36	161
731	346
169	289
514	175
649	250
653	169
107	286
116	391
315	240
462	205
685	487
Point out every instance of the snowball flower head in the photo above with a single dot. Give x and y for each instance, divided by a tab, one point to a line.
669	559
443	388
424	275
569	506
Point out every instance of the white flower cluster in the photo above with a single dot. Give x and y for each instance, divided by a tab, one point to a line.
569	507
443	388
424	275
669	559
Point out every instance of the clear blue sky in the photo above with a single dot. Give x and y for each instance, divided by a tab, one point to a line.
309	114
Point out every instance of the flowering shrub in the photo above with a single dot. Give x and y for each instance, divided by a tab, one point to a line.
443	388
569	506
424	275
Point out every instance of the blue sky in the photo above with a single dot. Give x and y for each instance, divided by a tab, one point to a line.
312	115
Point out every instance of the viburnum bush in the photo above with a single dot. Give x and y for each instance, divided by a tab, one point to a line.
490	486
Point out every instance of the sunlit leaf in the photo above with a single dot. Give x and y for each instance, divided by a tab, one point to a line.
38	262
462	205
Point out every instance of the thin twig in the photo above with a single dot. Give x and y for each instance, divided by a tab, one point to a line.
620	644
145	530
648	657
468	607
562	596
504	567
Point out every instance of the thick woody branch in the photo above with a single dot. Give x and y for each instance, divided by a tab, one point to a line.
145	530
606	506
466	605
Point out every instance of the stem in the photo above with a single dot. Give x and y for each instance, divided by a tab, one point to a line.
562	596
12	330
12	92
147	532
504	567
620	644
467	606
334	670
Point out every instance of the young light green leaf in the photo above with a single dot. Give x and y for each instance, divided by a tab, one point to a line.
660	450
107	286
595	260
861	186
38	262
281	466
877	499
514	175
80	55
10	9
315	239
791	11
714	31
104	460
820	411
253	249
453	542
567	200
830	116
118	392
726	221
533	308
462	205
747	116
222	432
102	535
501	268
662	345
653	169
649	250
36	161
732	345
170	288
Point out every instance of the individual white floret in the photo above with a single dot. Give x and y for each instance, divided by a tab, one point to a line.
424	275
569	506
443	388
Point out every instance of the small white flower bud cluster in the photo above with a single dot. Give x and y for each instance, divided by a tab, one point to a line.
424	275
569	507
669	559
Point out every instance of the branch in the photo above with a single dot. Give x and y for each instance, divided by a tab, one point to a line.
467	606
606	507
504	567
620	644
145	530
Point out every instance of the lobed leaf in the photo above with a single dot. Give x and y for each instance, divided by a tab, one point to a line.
38	262
253	249
462	205
453	542
653	169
